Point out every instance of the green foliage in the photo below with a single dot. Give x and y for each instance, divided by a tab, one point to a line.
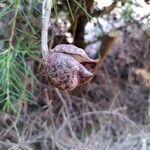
55	8
82	8
15	72
6	10
70	10
128	11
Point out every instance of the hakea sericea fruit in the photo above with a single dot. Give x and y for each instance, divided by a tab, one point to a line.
68	66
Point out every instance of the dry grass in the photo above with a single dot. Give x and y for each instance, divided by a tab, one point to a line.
79	125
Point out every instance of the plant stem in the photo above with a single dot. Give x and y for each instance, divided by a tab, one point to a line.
14	23
46	12
107	44
71	13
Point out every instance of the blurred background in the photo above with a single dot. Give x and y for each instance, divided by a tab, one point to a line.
112	112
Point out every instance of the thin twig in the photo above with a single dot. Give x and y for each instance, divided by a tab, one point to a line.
46	12
14	24
106	10
107	44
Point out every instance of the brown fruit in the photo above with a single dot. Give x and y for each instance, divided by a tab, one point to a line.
67	67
